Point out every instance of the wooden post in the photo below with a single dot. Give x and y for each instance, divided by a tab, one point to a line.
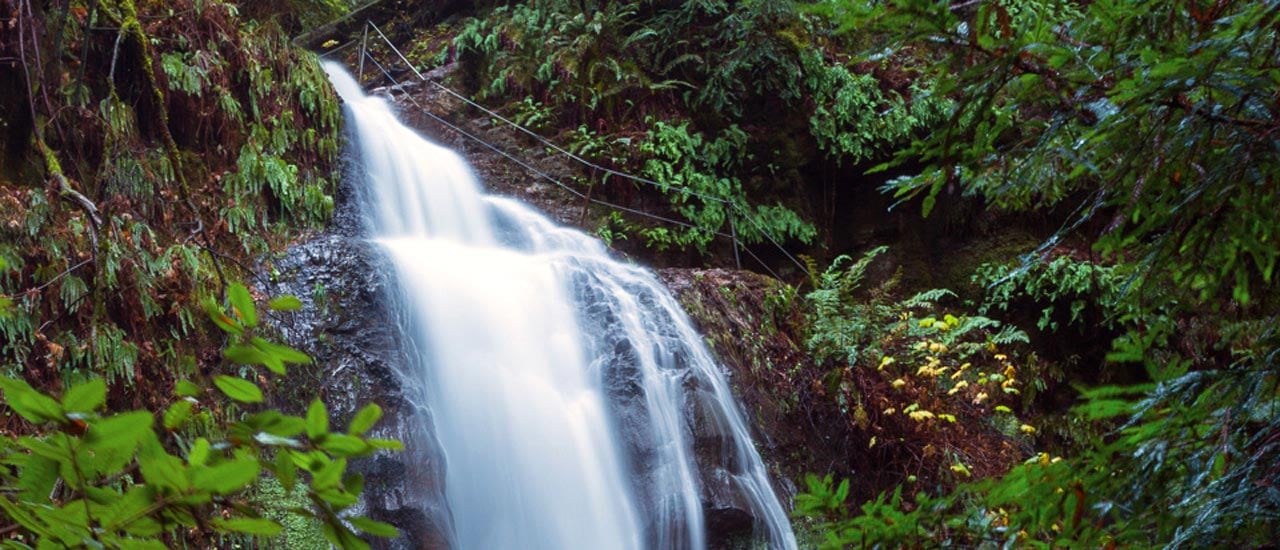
733	233
364	43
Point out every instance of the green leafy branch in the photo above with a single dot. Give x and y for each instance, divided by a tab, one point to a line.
85	477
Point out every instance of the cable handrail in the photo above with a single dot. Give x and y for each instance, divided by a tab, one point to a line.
541	139
733	207
536	171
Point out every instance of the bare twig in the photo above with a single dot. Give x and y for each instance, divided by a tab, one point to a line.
50	159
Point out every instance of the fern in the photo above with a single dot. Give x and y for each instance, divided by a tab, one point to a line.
854	120
838	325
927	299
694	172
1061	284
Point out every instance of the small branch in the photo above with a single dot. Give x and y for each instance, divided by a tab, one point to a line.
67	192
115	54
51	164
205	243
64	273
963	5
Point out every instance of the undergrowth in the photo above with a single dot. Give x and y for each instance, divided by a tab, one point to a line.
691	87
196	141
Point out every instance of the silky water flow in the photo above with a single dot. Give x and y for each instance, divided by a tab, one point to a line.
561	382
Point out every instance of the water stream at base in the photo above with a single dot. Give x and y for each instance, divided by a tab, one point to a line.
565	387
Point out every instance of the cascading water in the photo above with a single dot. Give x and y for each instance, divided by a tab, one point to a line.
565	387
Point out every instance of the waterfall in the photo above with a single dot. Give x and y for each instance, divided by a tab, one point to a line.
566	388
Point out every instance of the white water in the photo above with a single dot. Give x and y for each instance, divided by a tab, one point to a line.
561	382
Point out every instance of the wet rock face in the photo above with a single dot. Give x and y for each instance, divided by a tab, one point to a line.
758	344
350	329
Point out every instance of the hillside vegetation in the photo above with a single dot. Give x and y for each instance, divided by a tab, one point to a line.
1024	251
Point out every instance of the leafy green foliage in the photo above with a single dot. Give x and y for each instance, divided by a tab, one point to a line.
1194	494
613	71
691	167
1145	110
565	55
1035	505
854	120
1062	282
838	324
116	480
1138	118
206	140
845	326
919	382
299	15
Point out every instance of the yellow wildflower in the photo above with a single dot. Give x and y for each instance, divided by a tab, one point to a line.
921	415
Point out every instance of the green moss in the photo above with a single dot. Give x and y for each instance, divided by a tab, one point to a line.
277	504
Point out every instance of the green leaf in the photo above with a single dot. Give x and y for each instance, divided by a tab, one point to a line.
341	445
142	544
238	389
228	477
275	423
34	406
186	388
242	304
199	454
927	206
251	526
365	419
178	414
122	431
337	497
130	513
249	355
1100	409
24	516
328	475
389	444
86	397
113	439
224	322
317	420
282	352
37	476
353	483
374	527
285	303
341	537
162	469
286	471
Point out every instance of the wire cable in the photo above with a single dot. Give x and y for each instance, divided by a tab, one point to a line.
555	147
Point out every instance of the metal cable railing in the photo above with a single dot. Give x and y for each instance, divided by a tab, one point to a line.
735	211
